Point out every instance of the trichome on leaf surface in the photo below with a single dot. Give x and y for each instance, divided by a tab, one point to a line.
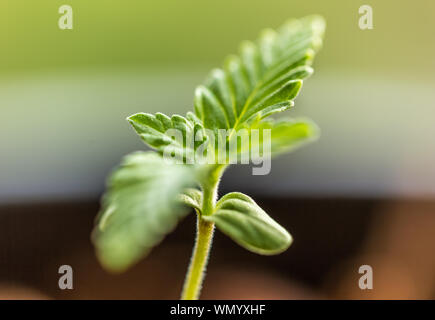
147	196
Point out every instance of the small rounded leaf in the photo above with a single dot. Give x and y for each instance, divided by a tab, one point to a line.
240	218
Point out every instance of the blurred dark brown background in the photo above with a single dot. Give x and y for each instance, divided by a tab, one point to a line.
333	237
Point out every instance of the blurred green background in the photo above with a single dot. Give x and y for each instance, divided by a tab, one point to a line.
192	32
64	94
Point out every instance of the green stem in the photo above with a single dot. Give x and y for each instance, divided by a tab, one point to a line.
195	274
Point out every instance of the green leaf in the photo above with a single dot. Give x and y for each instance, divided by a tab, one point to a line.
191	198
285	135
139	208
263	79
176	135
240	218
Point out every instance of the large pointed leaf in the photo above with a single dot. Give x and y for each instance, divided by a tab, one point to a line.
263	79
239	217
139	208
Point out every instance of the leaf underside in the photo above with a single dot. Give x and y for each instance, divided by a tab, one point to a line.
139	209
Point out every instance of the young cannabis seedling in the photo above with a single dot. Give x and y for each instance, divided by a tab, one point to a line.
146	194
